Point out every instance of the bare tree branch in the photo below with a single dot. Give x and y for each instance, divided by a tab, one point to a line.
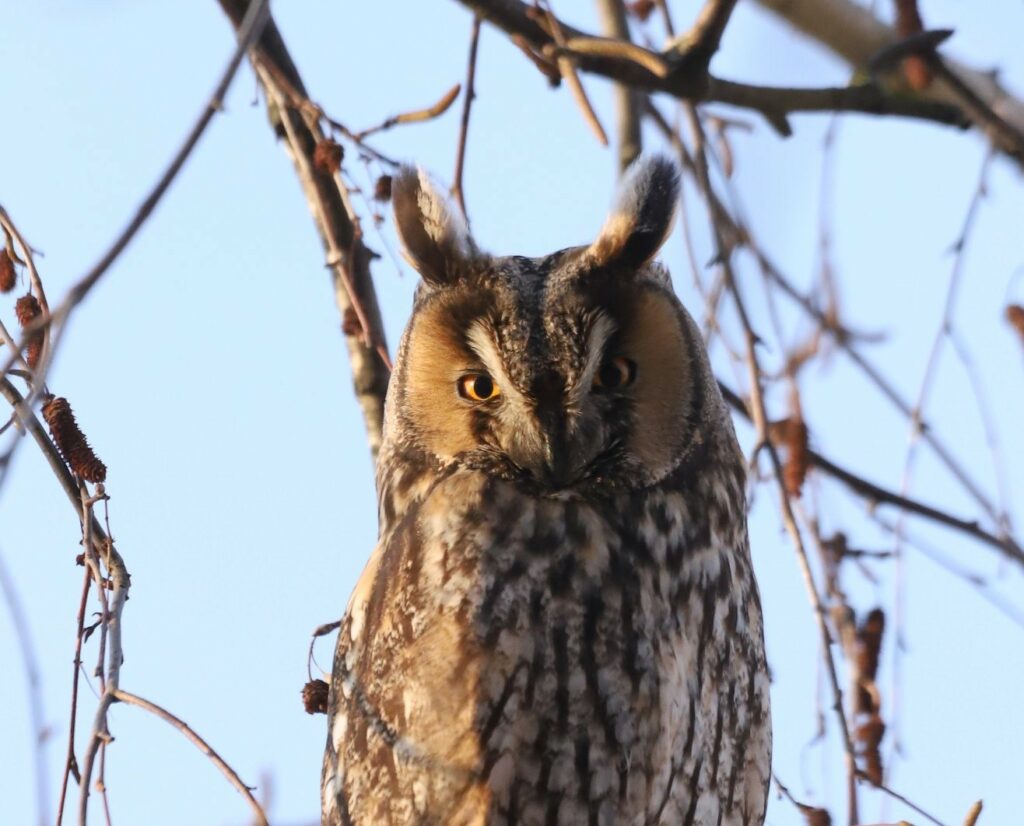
347	256
568	70
249	29
687	81
877	495
701	42
628	102
467	105
853	33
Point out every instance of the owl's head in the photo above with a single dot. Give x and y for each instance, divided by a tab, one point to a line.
578	368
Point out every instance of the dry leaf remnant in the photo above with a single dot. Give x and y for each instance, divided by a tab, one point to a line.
869	735
868	699
641	9
28	310
327	156
71	442
382	189
350	324
791	433
8	277
314	697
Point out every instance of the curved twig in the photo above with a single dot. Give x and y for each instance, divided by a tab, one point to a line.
225	769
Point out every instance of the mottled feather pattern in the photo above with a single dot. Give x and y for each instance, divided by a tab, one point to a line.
560	622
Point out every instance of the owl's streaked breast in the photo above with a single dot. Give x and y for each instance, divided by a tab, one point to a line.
510	658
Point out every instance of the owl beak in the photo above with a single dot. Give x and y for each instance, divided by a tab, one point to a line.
556	471
556	467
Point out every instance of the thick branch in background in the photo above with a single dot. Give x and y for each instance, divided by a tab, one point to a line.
689	80
347	255
701	42
853	33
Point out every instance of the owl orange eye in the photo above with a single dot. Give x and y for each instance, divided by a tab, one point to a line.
615	374
478	387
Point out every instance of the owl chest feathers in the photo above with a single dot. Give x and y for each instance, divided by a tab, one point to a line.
553	659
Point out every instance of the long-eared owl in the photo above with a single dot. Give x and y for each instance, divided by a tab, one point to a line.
560	622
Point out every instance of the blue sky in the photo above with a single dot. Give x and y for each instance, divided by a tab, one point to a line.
208	370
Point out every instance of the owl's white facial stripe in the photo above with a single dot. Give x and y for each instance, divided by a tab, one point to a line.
482	343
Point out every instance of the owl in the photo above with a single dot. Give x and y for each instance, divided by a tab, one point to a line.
560	623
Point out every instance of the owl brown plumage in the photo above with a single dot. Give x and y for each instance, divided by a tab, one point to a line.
560	622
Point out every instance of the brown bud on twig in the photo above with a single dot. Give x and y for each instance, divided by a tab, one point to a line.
8	277
915	66
314	697
28	310
350	324
1015	318
973	813
640	9
382	189
327	156
817	817
71	442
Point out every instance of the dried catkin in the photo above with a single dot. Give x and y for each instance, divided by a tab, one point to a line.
794	472
71	442
28	310
8	277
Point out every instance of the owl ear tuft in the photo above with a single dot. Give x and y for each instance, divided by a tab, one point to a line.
434	237
642	216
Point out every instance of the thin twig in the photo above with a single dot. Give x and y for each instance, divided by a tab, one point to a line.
416	116
944	329
873	493
294	114
70	761
628	101
567	66
616	48
876	494
467	104
844	339
897	796
255	20
760	419
120	582
694	83
33	682
225	769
